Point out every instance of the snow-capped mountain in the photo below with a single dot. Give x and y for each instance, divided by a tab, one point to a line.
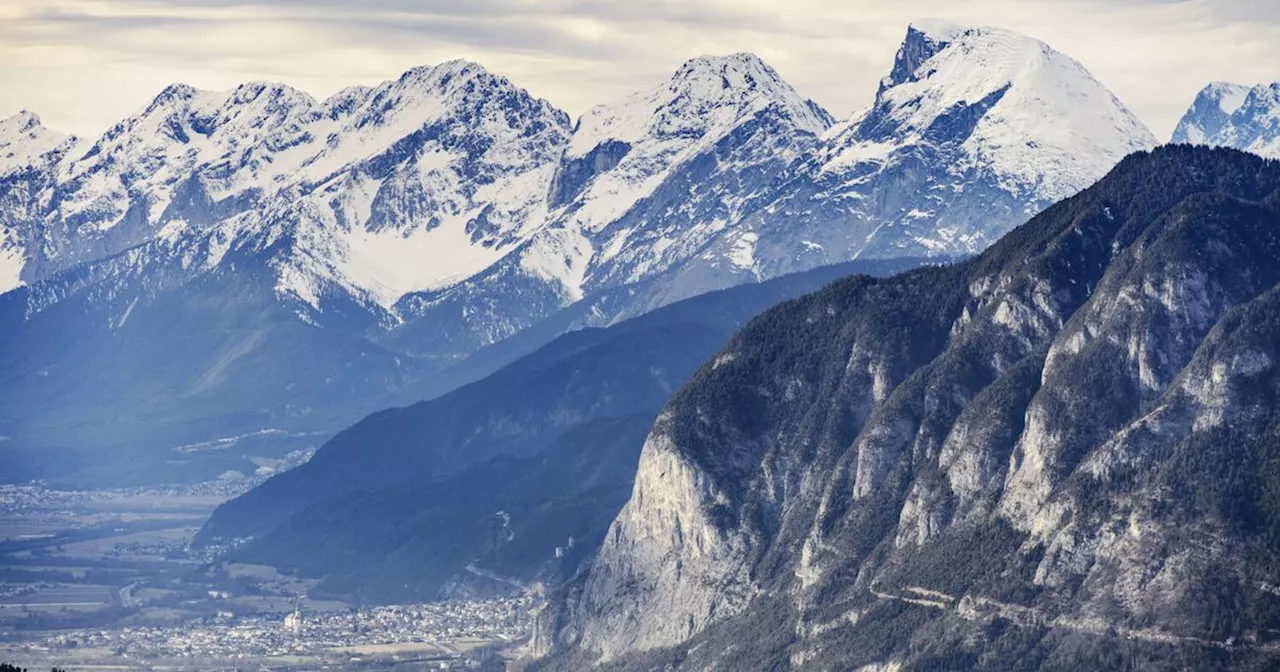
726	175
29	154
429	216
1236	116
643	185
447	144
972	132
195	248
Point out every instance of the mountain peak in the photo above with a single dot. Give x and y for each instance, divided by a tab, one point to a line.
458	89
936	30
739	62
460	82
924	39
173	93
21	122
345	101
1228	95
1035	115
728	77
705	97
1234	115
1262	94
1210	112
25	141
446	76
274	91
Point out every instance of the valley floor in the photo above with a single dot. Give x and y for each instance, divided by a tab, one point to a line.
106	580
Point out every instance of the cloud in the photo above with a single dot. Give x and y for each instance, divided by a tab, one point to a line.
83	64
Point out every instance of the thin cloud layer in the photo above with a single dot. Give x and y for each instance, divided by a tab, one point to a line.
84	64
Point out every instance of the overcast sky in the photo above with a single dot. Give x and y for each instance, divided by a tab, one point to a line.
84	64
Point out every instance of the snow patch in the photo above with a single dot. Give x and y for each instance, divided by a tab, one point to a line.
744	248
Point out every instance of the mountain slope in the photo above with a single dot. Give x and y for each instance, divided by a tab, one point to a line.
1231	115
1056	455
412	163
717	177
222	263
641	187
29	155
333	218
400	504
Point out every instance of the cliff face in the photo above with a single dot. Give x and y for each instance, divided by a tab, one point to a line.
1060	453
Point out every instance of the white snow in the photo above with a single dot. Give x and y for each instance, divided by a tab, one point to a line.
559	255
11	263
744	249
1253	122
372	190
1231	96
305	163
1054	131
665	127
25	141
706	99
389	264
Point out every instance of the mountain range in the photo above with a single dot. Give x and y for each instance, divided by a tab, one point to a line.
225	264
1059	454
669	361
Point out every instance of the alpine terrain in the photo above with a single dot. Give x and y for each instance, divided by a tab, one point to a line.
257	262
1059	454
1232	115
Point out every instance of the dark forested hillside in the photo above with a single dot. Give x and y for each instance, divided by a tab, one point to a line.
498	474
1061	454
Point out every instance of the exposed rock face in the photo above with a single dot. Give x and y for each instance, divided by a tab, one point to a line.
668	523
1059	453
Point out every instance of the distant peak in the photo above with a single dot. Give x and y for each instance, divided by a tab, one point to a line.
927	39
1228	96
444	74
735	79
251	91
171	94
749	68
347	100
177	91
357	91
737	59
23	121
1224	86
460	66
